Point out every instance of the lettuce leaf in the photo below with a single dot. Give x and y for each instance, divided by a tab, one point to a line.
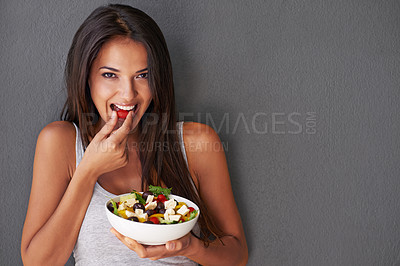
115	207
193	214
163	221
125	198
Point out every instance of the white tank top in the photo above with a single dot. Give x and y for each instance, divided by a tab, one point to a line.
96	245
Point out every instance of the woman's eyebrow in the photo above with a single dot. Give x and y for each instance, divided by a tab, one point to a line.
144	69
116	70
109	68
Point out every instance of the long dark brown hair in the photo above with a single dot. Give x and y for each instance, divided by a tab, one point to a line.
161	158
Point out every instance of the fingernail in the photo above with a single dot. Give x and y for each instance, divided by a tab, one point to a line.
171	246
113	114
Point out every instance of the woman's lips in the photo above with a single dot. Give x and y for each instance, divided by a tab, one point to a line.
123	110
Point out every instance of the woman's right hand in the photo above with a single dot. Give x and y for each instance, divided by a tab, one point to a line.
107	150
50	233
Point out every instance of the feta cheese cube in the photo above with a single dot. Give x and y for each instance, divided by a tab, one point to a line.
139	212
149	199
131	202
151	206
122	206
183	210
143	216
170	204
175	217
129	213
168	213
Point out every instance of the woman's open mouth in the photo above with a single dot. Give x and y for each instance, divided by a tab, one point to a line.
123	110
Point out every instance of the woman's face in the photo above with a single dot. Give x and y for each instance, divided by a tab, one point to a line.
118	78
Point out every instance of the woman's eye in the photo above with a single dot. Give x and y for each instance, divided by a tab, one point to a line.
108	75
143	75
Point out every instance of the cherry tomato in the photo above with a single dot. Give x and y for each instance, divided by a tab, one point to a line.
122	113
154	220
161	198
191	209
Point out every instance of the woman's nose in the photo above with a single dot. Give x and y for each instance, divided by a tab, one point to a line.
127	91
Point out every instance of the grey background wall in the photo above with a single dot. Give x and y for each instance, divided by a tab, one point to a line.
304	95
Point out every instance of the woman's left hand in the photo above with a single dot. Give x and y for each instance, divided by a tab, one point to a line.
177	247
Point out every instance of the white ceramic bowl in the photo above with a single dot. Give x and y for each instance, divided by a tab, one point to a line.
152	234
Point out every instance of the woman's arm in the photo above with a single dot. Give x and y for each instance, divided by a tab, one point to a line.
58	203
207	164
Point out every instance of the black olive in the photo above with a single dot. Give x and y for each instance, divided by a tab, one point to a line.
162	211
139	206
146	194
133	218
160	205
150	212
110	207
148	222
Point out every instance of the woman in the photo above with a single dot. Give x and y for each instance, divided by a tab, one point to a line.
118	61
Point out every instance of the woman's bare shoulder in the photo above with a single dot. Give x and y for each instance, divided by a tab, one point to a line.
202	145
56	142
58	131
198	133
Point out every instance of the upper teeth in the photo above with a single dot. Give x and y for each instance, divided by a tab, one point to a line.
125	107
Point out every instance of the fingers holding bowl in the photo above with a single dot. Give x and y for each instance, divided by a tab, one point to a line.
131	244
155	252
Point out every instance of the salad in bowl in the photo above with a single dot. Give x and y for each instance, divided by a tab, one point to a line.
153	217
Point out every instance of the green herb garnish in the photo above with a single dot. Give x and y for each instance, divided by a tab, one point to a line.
159	190
139	197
